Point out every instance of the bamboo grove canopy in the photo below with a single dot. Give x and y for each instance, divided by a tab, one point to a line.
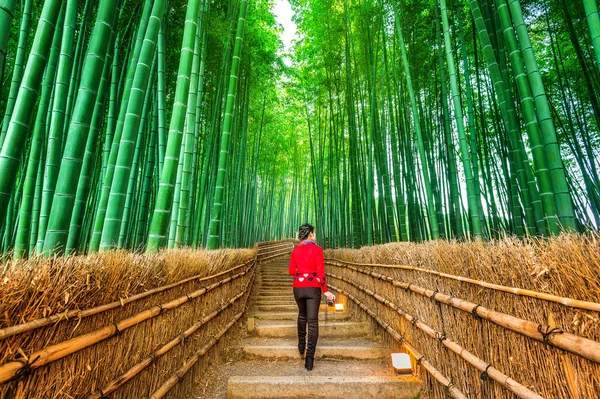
151	124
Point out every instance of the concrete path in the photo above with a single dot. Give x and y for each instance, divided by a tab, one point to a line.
348	363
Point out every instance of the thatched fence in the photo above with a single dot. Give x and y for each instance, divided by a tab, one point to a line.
498	319
120	324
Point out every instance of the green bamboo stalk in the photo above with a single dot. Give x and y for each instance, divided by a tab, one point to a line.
7	9
79	129
564	205
215	218
157	237
118	190
417	126
19	67
19	125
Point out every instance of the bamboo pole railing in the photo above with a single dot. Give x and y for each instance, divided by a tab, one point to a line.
152	357
430	368
570	302
55	352
177	376
80	314
580	346
504	380
279	250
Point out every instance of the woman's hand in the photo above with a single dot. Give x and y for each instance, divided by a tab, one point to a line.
330	296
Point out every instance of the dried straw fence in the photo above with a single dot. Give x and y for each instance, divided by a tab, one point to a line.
120	324
498	319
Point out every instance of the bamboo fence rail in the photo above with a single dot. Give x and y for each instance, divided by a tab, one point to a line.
435	373
151	358
570	302
51	353
484	367
586	348
42	357
80	314
189	363
280	249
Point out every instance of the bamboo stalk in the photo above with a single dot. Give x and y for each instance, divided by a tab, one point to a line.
58	351
495	374
435	373
189	363
80	314
584	347
139	367
570	302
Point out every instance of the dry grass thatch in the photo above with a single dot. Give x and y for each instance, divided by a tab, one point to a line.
41	287
565	266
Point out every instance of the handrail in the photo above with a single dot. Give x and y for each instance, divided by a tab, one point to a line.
570	302
80	314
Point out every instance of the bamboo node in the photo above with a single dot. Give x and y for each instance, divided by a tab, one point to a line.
547	332
117	331
474	312
484	374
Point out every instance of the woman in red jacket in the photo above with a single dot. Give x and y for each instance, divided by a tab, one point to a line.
308	268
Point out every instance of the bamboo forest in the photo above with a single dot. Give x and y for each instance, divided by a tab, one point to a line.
144	125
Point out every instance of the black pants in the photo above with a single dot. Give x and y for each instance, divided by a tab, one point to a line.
308	300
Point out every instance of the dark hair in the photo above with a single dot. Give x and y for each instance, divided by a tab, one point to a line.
304	231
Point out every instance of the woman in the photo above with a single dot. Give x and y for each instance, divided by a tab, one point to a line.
308	267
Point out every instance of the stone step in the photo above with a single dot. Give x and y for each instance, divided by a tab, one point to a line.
270	284
294	315
330	378
340	387
274	297
278	292
288	308
330	329
269	278
344	348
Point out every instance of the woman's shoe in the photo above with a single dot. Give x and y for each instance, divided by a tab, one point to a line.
308	362
301	349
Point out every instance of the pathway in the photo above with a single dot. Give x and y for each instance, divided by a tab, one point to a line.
347	364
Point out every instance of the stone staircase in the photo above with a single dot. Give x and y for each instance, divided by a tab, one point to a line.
347	363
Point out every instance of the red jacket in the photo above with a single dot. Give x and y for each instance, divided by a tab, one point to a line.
308	266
